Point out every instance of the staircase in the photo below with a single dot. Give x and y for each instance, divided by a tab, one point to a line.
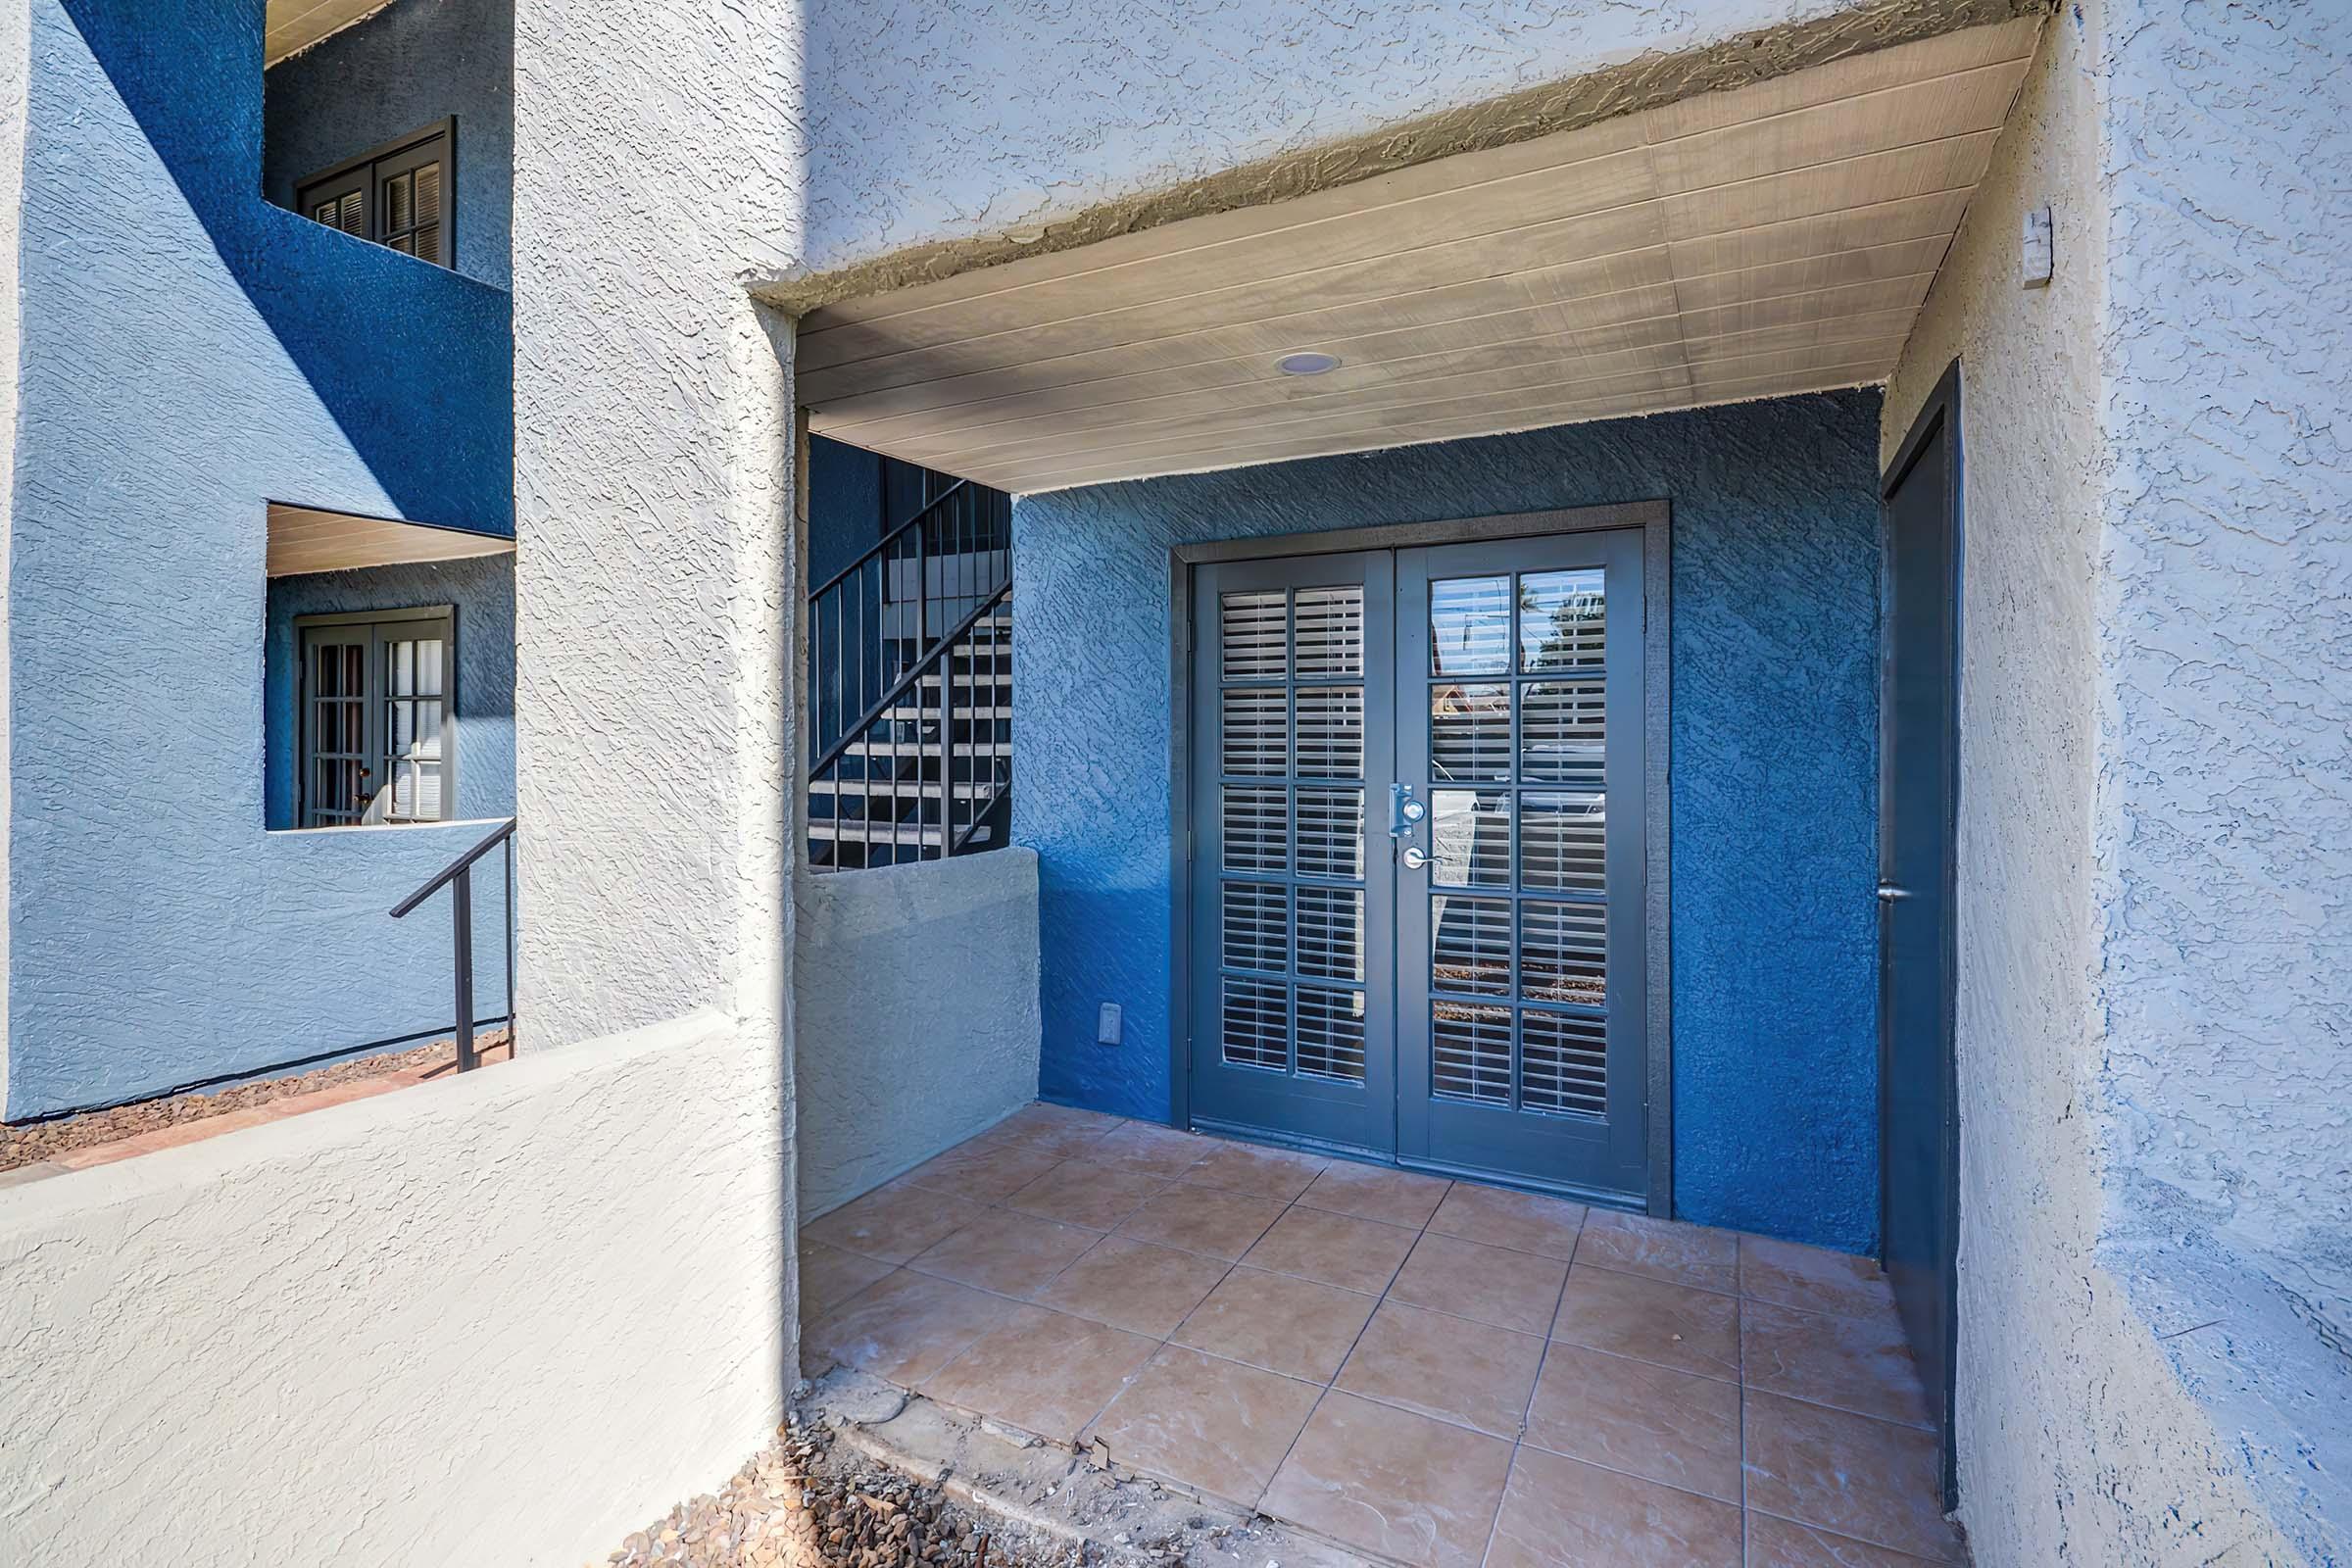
910	683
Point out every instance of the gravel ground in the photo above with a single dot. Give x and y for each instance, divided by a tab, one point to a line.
45	1140
806	1501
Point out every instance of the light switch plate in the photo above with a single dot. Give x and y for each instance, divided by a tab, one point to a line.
1109	1025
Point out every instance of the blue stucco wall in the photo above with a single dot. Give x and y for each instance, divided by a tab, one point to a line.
845	504
190	353
481	590
1775	597
404	67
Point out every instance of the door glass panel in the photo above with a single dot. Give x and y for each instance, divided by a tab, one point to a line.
1257	926
1564	736
1331	1033
1256	823
1331	732
1564	952
1562	616
1257	739
1331	933
1470	733
1564	1063
1470	945
1562	843
1255	631
1331	833
1331	632
1257	1023
1470	1053
1470	838
1470	627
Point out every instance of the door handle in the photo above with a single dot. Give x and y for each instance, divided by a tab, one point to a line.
1415	857
1889	892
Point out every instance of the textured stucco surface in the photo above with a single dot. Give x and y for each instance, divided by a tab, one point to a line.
1169	112
1775	756
2131	1388
482	592
500	1319
15	65
411	63
157	934
916	1021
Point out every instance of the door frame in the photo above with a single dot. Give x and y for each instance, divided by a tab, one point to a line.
1654	519
1941	411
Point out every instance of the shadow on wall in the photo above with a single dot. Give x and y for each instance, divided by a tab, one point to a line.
415	361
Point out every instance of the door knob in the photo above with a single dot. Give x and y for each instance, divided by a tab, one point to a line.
1415	857
1889	892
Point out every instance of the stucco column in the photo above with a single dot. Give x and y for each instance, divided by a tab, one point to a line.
657	165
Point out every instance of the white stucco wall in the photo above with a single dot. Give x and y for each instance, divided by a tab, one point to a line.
2084	1436
916	1022
918	140
503	1319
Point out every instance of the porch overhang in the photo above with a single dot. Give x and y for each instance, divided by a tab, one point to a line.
290	26
1765	240
305	539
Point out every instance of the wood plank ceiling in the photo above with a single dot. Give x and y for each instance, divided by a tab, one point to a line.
1768	240
303	540
289	25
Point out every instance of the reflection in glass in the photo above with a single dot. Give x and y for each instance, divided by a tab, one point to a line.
1470	627
1564	952
1564	735
1470	838
1470	1051
1563	842
1563	1063
1470	733
1331	1033
1470	945
1562	618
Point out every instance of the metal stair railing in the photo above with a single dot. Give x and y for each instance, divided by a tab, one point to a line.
458	877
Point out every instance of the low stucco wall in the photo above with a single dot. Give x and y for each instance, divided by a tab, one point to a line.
501	1319
916	1014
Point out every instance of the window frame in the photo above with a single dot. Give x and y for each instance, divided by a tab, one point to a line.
369	170
375	696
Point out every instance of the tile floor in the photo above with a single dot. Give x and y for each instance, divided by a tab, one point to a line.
1427	1372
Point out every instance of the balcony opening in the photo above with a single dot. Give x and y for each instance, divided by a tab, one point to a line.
393	122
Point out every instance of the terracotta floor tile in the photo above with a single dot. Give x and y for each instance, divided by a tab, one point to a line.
1082	1192
1213	1426
1651	1320
901	1329
1296	1327
1813	1279
1044	1372
1388	1480
1056	1130
1469	1373
1671	1427
893	1223
1862	1364
1201	1219
984	1174
1150	1151
1848	1474
1663	1248
1520	1221
1374	1192
1491	1284
830	1276
1562	1514
1783	1544
1356	1254
1133	1285
1012	1255
1258	1172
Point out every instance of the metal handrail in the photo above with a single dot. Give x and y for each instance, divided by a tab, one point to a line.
890	538
906	683
458	877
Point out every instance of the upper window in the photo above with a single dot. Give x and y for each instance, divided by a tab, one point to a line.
377	720
397	195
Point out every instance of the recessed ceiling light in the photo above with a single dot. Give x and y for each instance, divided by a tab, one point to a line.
1307	364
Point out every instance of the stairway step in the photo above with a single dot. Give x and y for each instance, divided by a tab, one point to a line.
929	748
928	714
905	789
927	835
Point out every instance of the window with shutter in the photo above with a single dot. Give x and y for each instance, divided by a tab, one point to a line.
395	196
377	718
